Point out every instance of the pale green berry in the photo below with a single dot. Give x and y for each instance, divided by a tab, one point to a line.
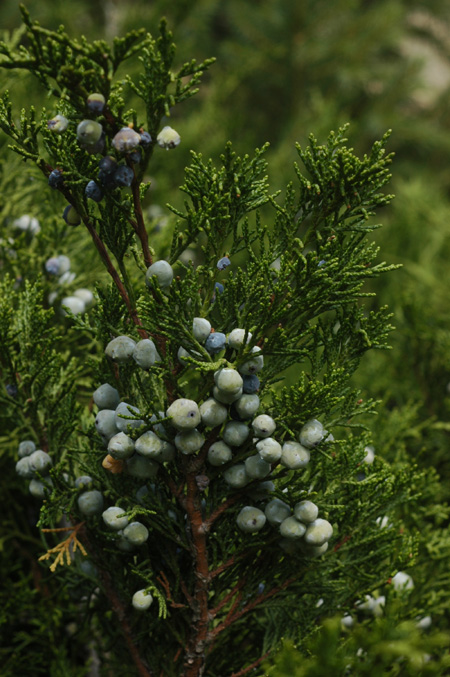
201	329
263	425
184	414
136	533
145	354
402	581
124	417
40	462
318	532
89	132
121	446
120	349
256	468
254	364
236	338
370	454
106	397
269	449
235	433
293	455
162	271
115	518
39	488
219	453
247	405
213	413
26	448
23	468
149	445
292	528
312	433
85	295
236	476
226	398
189	441
168	138
306	511
251	519
75	305
277	511
139	466
105	423
141	600
90	502
228	380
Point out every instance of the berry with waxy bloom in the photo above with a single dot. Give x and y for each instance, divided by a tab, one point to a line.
71	216
126	140
184	413
269	449
223	263
115	518
276	511
168	138
123	176
163	272
201	328
263	425
293	455
95	103
235	433
136	533
318	532
120	349
292	528
58	124
312	433
219	453
141	600
215	342
89	132
250	519
213	413
306	511
106	397
90	502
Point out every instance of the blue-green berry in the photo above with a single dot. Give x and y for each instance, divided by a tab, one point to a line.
123	176
263	425
108	165
39	488
163	272
318	532
236	476
11	390
127	415
292	528
250	384
121	446
52	265
215	343
254	364
246	406
120	349
105	423
235	433
23	468
219	453
277	511
83	482
58	124
93	191
55	179
312	433
294	455
223	263
306	511
213	413
40	462
168	138
149	445
145	354
201	328
90	502
256	468
189	441
269	449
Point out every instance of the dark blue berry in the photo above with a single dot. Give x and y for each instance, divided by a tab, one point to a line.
219	288
136	157
215	342
95	103
123	176
145	138
108	164
93	191
250	384
11	389
55	179
223	263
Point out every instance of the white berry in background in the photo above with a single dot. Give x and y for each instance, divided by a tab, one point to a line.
235	433
402	581
40	462
263	425
370	454
85	295
251	519
256	468
213	413
136	533
277	511
269	449
141	467
149	445
347	621
23	468
106	397
39	488
424	623
318	532
292	528
236	476
201	329
226	398
74	304
83	482
66	278
120	349
189	441
141	600
236	338
219	453
27	223
294	456
162	271
254	364
26	448
306	511
105	423
247	406
121	446
115	518
373	605
90	502
312	433
228	380
184	414
383	522
124	410
168	138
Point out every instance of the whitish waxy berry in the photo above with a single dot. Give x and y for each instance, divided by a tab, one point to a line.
184	413
254	364
71	216
52	266
269	450
123	176
373	605
126	140
105	423
347	621
251	519
201	328
120	446
294	456
250	384
141	600
139	466
235	433
168	138
236	338
95	102
58	124
370	454
93	191
136	533
318	532
163	272
27	223
40	462
115	518
73	304
277	511
424	623
83	482
312	433
228	380
89	132
90	502
145	354
63	264
23	468
85	295
256	468
219	453
306	511
213	413
189	442
292	528
215	342
149	445
55	179
106	397
236	476
402	581
120	349
226	398
247	406
38	488
124	417
263	425
223	263
26	448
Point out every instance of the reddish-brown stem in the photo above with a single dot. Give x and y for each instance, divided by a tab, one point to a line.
246	670
229	596
139	225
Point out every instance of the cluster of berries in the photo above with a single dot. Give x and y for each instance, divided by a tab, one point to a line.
34	465
81	299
